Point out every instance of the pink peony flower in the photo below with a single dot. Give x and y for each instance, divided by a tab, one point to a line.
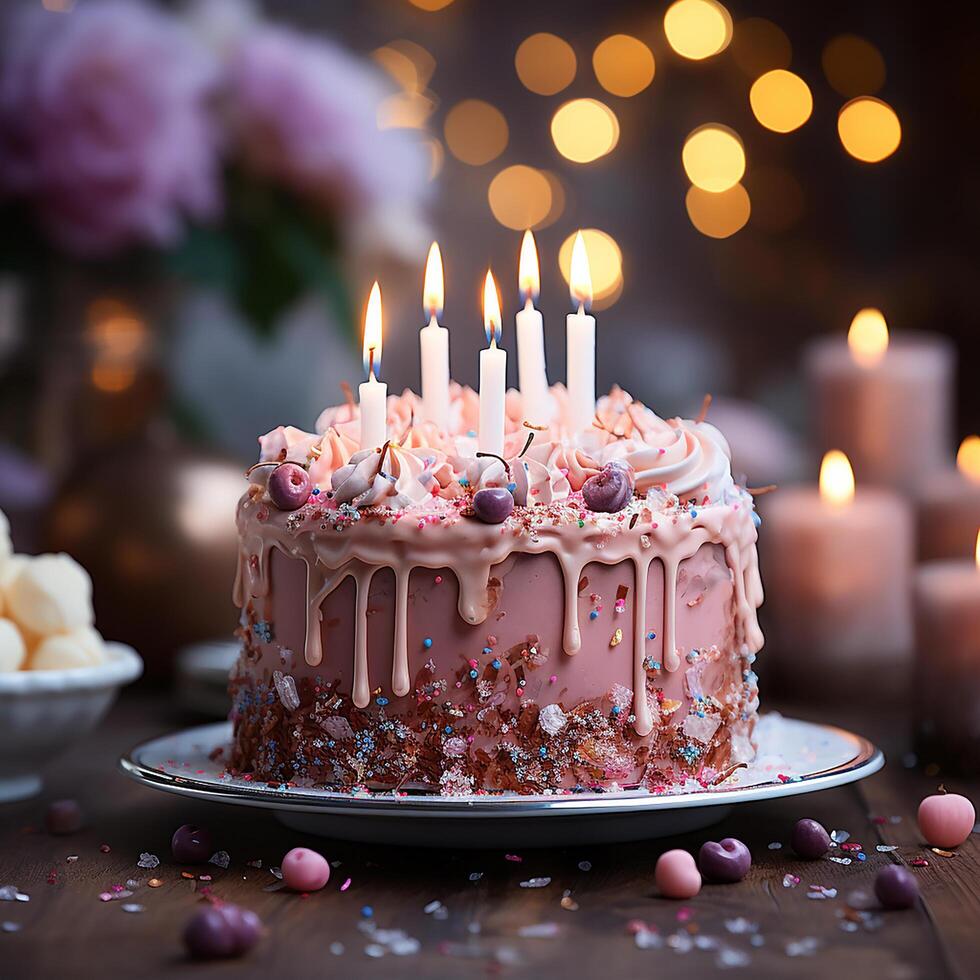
104	124
304	111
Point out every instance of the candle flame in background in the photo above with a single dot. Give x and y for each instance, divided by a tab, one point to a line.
868	337
580	279
836	479
372	333
491	310
433	290
968	458
528	272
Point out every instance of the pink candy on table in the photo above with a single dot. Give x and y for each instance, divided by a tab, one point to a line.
304	870
677	875
946	819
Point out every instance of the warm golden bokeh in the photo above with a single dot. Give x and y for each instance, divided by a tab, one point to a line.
853	66
713	157
430	5
584	130
624	65
718	215
545	63
867	337
759	45
781	101
697	29
476	132
968	458
869	129
408	64
520	197
405	110
605	265
836	479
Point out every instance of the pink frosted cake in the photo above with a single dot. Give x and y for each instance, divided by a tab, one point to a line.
579	613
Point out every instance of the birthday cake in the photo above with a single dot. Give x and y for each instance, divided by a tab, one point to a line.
575	613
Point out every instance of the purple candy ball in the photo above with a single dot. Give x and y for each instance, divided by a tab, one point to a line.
191	844
289	486
493	505
896	887
610	489
221	931
724	861
809	839
63	817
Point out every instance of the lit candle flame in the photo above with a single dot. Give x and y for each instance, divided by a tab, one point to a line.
968	458
868	337
372	333
580	277
836	479
528	273
433	290
491	310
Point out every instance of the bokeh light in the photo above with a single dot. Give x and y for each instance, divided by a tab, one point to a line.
476	132
968	458
405	110
430	5
545	63
697	29
520	197
718	215
869	129
605	265
624	65
853	66
781	101
713	157
867	336
408	63
759	45
778	201
584	130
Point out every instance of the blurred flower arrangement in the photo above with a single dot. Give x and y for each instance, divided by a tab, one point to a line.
207	142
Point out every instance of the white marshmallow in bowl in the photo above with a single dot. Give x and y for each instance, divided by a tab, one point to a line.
50	594
82	647
13	650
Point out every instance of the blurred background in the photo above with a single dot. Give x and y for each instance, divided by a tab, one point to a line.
195	199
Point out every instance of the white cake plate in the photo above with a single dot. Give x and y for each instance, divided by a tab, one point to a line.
794	757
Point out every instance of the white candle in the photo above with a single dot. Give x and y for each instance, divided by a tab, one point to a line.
948	505
373	395
434	344
493	375
531	369
580	334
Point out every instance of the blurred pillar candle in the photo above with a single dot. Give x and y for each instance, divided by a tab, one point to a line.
372	394
947	618
434	345
886	402
837	566
948	506
531	370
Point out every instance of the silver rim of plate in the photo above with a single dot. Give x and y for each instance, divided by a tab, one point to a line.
824	757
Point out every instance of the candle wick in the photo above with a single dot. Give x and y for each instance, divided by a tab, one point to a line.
581	308
348	393
433	316
528	301
758	491
527	445
705	405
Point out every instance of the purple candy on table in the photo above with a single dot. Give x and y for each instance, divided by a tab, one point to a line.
191	844
809	839
221	931
63	817
724	861
611	489
493	505
896	887
290	486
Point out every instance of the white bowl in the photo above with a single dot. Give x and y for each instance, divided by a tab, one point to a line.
45	712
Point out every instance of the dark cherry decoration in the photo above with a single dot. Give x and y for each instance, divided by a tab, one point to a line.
726	861
191	844
289	486
810	839
63	817
493	505
610	489
896	887
221	931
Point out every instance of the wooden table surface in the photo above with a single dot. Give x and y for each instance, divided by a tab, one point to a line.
759	927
